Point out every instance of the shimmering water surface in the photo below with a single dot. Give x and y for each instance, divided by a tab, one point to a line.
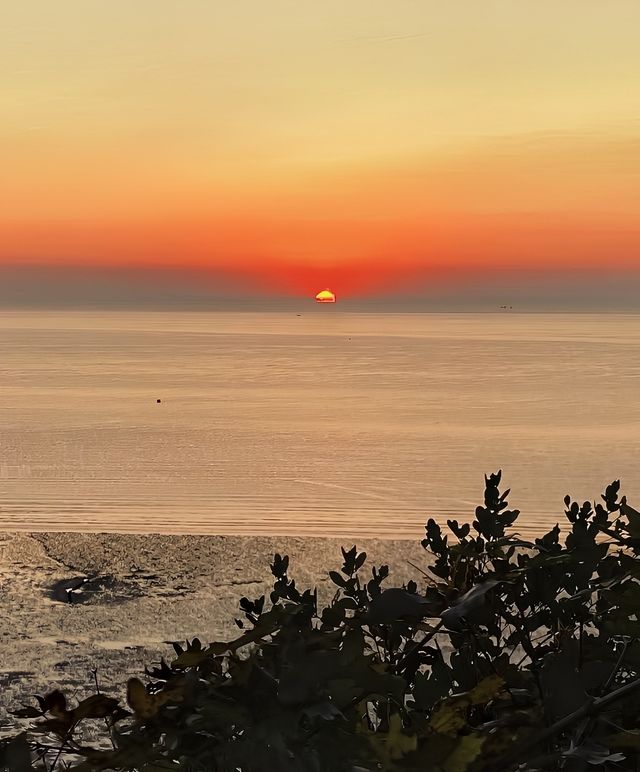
324	423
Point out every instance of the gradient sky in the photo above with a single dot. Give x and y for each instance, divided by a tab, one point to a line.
292	145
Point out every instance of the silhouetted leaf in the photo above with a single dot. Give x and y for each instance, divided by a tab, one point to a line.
360	560
15	755
337	579
27	712
467	603
55	703
95	706
396	603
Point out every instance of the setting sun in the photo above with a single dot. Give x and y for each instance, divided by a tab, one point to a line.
325	296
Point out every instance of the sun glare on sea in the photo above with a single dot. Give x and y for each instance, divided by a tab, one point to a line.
325	296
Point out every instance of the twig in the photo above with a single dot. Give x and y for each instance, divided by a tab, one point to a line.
590	708
429	579
581	646
418	645
65	740
43	757
539	762
527	646
94	671
617	667
588	722
107	723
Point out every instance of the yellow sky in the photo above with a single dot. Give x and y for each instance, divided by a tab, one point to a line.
198	115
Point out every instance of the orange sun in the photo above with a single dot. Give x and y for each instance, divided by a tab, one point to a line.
326	296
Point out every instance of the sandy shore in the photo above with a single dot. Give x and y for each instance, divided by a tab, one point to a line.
143	591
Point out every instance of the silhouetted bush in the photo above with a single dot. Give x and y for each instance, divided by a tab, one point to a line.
503	654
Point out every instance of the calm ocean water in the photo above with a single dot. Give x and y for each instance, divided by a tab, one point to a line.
324	423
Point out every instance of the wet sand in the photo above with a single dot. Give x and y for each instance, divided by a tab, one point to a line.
142	591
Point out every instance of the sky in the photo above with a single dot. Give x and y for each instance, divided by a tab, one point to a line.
405	149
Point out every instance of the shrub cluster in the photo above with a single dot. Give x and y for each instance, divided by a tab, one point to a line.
503	654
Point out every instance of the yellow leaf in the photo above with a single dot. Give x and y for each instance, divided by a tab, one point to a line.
146	705
466	752
399	743
450	716
626	739
190	658
486	690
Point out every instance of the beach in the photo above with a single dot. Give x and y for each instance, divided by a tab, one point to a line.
153	589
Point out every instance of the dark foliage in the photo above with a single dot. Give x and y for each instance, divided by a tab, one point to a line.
504	654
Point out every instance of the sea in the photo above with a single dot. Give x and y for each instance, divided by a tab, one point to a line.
310	422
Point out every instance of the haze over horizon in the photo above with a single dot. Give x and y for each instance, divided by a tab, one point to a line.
137	288
464	155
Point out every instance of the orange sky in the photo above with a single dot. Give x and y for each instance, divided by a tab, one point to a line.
356	145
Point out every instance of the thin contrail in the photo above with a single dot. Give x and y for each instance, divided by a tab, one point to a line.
391	38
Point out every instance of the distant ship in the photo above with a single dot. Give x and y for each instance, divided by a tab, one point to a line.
325	296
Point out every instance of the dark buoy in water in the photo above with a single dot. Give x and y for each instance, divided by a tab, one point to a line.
158	401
